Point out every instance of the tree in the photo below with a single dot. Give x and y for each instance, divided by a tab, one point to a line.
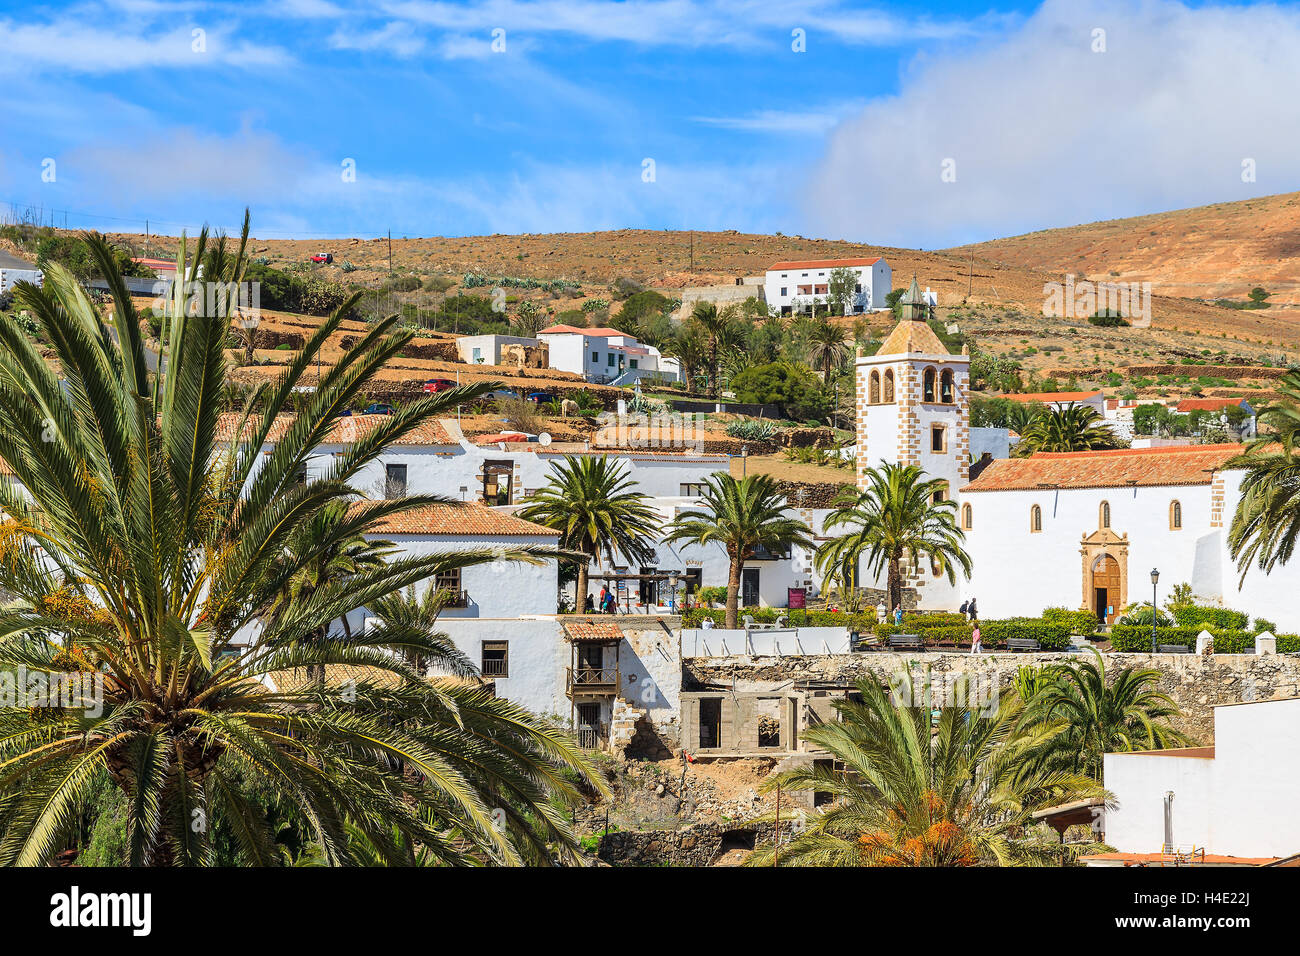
897	516
1080	716
718	328
1266	524
149	540
743	516
690	347
792	387
1073	428
913	793
841	284
827	348
593	503
1259	297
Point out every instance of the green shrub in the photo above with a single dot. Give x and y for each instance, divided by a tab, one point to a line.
1210	618
1079	622
713	595
1262	624
1050	635
1137	637
751	429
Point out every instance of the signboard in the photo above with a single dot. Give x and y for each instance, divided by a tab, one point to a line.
796	598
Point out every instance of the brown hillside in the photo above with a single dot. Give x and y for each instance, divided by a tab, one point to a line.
1209	252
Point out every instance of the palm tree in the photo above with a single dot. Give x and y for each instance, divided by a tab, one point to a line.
718	326
1081	716
593	503
742	516
827	348
1073	428
690	347
913	793
898	515
140	545
1266	524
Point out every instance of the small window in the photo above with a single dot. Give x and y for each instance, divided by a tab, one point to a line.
632	362
784	291
1175	516
496	482
1035	519
873	390
394	481
692	489
938	439
496	659
889	386
609	359
1103	518
945	387
966	517
927	388
449	581
940	493
595	357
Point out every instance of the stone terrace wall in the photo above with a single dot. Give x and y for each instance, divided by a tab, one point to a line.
1195	683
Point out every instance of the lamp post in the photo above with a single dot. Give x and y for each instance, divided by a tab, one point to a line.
250	321
1155	578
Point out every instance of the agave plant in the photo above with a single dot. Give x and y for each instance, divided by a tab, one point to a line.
147	552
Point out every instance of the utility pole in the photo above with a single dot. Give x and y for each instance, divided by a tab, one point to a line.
692	250
970	280
390	252
146	238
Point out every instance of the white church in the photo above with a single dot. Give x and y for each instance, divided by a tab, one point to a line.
1077	530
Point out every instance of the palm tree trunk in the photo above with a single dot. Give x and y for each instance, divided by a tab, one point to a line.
580	588
733	591
895	584
713	368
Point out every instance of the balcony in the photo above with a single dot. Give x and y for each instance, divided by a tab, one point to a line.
590	681
452	597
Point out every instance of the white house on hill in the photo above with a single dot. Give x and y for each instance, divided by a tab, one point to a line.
797	285
607	356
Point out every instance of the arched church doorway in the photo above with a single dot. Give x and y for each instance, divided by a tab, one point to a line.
1105	588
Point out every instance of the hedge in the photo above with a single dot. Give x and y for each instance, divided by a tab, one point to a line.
1126	637
1050	635
1210	618
1079	622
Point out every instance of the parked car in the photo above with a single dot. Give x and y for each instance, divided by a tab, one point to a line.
379	408
541	398
438	385
323	257
498	394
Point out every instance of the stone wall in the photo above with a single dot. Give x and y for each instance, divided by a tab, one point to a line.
1195	683
700	844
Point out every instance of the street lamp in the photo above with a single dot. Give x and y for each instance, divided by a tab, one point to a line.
1155	578
250	321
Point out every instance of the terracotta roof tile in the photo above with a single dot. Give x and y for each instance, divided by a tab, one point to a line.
1048	398
912	335
587	629
459	518
600	330
1181	465
823	263
344	431
1208	404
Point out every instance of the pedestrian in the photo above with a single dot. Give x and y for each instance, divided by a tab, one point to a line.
589	607
600	601
707	624
975	639
898	616
611	603
974	614
962	610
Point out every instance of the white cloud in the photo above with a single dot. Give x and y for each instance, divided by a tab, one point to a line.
396	38
689	23
817	120
1042	131
72	44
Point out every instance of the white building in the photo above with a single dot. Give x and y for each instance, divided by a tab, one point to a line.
1059	401
1232	804
1217	412
607	356
488	349
796	286
14	270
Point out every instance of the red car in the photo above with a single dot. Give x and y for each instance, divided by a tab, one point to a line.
438	385
325	257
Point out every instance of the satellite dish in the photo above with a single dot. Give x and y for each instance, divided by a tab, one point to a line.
544	438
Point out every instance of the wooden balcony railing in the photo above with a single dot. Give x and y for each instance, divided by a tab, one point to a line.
593	679
454	598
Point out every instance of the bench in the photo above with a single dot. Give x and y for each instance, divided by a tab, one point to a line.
1174	649
907	641
1022	644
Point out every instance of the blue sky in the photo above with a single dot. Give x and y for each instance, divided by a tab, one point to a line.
899	124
